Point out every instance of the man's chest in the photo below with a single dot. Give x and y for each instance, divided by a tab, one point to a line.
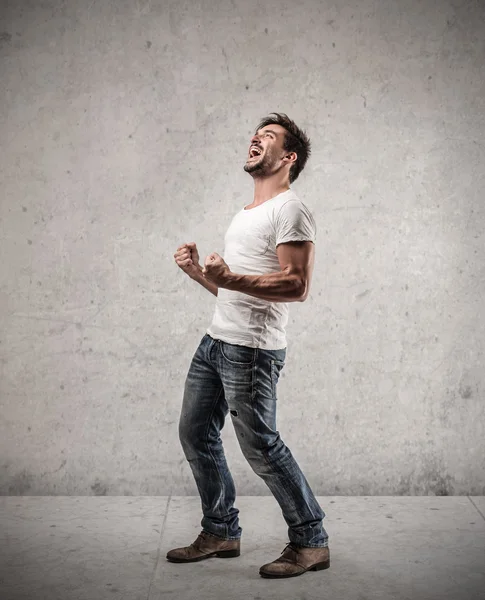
250	237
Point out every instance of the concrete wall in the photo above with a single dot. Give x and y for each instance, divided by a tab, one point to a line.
124	128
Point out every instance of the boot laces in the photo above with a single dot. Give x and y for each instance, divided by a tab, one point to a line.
292	546
196	544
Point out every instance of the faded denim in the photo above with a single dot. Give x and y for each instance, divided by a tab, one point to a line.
241	380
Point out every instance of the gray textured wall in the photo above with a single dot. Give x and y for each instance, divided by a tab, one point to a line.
124	130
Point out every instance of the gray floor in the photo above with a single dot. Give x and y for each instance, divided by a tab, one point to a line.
92	548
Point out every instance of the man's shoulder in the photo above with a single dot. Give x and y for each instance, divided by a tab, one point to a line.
293	203
289	198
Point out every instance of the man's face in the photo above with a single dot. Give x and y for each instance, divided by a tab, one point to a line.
265	151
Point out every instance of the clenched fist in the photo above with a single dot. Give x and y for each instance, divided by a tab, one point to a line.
216	270
187	258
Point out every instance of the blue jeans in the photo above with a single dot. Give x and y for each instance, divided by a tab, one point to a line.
226	377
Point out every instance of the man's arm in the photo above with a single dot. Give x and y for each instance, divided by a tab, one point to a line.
291	284
187	258
212	287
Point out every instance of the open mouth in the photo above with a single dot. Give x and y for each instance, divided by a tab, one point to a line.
254	152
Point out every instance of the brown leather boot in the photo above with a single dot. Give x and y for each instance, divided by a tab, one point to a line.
296	560
205	546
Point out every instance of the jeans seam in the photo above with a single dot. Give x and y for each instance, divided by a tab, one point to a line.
271	464
221	391
258	434
253	378
236	363
219	537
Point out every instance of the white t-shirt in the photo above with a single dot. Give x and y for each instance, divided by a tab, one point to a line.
250	249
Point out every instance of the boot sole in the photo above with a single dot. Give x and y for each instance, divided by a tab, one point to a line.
219	554
316	567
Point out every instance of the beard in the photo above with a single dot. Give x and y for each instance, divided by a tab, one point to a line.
259	167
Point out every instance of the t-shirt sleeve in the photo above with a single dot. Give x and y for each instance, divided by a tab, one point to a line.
295	223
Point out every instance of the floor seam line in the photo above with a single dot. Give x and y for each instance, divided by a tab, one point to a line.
159	545
478	510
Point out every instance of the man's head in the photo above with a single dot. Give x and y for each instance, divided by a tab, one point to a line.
281	144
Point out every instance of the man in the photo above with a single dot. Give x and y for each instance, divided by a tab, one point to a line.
268	262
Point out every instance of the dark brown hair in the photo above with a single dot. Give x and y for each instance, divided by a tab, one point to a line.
295	140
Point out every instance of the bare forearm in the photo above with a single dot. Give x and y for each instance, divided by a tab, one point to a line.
212	287
276	287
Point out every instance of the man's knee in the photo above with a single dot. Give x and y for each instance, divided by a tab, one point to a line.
186	433
259	450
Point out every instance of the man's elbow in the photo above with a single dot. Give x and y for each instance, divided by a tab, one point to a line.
304	289
300	286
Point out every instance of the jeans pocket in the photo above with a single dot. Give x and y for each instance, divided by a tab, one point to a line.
276	368
238	355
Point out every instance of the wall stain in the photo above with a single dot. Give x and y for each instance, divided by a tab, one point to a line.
432	480
363	294
465	391
21	484
440	484
99	488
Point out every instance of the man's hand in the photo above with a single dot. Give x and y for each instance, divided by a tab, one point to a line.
187	258
216	270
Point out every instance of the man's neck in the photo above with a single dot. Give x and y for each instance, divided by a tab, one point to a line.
267	188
